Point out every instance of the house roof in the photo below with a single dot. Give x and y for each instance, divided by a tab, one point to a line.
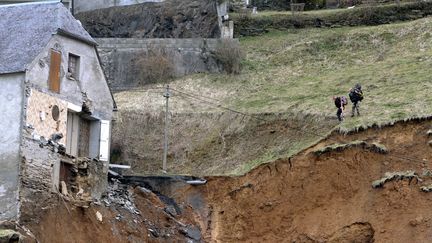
25	29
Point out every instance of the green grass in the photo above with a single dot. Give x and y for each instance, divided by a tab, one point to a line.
320	12
298	71
373	147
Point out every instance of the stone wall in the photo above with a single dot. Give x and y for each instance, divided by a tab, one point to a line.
40	177
86	5
119	58
39	115
170	19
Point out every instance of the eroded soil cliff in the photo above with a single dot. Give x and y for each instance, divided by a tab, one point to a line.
328	197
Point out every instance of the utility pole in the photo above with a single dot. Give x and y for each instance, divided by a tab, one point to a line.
167	96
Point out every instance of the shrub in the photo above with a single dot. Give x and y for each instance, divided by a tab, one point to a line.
156	66
229	53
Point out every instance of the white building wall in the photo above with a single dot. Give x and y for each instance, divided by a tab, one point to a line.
11	99
91	82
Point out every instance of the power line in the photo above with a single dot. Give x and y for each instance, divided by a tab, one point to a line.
198	97
205	97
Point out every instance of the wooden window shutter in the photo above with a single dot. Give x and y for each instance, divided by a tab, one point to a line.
104	146
54	74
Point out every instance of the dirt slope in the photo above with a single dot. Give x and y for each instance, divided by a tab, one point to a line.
62	221
323	194
328	197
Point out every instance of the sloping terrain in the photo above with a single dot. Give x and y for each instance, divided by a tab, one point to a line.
328	197
287	76
360	15
212	143
170	19
128	214
367	186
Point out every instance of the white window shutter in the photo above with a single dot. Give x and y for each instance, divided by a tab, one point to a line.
104	140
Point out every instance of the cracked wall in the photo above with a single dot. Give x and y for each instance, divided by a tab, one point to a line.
39	115
90	87
87	96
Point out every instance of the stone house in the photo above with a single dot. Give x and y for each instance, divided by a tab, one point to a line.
56	107
67	3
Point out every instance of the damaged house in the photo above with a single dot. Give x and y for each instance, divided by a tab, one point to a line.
56	107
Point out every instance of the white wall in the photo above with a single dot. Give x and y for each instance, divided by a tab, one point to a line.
11	100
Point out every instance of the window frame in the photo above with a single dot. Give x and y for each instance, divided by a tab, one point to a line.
77	61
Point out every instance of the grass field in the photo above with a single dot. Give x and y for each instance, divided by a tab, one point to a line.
298	71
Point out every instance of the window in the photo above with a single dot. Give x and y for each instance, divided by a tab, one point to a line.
73	66
54	73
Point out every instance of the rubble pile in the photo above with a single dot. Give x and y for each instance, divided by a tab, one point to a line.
119	194
53	142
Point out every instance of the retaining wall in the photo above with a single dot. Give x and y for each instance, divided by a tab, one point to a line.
119	58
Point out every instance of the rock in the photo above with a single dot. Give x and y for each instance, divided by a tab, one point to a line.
169	19
171	210
416	221
193	232
356	233
9	236
98	216
63	188
143	189
154	233
303	238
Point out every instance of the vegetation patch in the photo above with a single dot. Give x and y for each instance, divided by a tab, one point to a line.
230	54
427	188
248	25
337	147
156	66
396	176
8	235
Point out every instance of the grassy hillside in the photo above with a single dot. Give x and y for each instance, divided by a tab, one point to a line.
249	25
298	71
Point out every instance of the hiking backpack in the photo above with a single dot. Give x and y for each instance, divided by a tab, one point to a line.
356	95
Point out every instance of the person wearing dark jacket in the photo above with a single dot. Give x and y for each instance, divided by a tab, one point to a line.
340	103
356	96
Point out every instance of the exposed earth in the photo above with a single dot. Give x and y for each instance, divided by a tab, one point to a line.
282	169
322	194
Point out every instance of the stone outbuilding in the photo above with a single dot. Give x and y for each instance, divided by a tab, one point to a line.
56	107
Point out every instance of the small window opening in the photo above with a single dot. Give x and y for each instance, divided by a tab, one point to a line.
73	66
